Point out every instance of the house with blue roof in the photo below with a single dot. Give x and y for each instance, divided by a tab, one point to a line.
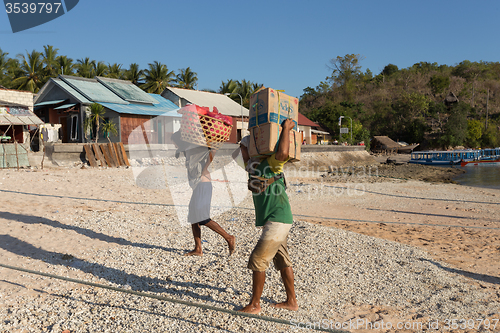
66	100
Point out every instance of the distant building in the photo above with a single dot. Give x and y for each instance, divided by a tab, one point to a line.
312	133
16	116
66	101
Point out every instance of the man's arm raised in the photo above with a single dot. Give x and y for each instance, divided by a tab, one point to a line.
284	143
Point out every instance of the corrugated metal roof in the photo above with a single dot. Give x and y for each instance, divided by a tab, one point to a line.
18	116
50	102
92	90
66	87
65	106
224	104
163	107
127	90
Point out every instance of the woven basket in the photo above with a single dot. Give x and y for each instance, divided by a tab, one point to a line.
203	130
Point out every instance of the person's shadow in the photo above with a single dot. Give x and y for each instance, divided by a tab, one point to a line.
475	276
113	275
30	219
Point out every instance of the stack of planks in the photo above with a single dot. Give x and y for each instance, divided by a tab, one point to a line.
106	154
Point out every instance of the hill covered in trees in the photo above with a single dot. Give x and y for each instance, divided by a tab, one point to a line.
436	105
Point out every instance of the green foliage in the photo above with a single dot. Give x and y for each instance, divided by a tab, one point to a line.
436	108
474	133
100	69
390	70
65	65
84	67
455	131
345	72
97	112
439	83
491	137
186	79
244	88
412	105
30	76
115	71
157	78
134	74
109	128
424	67
50	62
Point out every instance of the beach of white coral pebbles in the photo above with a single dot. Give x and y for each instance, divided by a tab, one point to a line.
335	272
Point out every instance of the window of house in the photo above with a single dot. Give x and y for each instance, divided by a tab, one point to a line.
74	128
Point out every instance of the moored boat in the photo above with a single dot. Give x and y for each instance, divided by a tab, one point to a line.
436	157
457	157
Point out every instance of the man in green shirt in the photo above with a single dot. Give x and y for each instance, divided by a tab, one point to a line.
274	214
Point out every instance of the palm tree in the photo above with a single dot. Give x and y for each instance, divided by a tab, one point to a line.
134	74
100	69
50	61
109	127
13	71
84	67
65	65
186	79
3	66
30	76
115	71
230	86
157	78
97	112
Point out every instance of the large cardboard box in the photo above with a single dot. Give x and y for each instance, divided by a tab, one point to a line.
264	140
271	106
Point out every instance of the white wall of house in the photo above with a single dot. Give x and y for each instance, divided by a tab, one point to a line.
307	133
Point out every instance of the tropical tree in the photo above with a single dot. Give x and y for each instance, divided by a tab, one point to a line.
13	71
108	128
345	72
84	67
3	66
186	79
474	132
157	77
134	74
97	112
100	69
50	62
115	71
230	87
455	130
30	76
65	65
438	83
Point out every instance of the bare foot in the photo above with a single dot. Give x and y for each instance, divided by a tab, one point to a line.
193	253
286	305
250	308
231	244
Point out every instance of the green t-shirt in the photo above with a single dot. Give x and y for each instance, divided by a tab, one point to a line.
272	204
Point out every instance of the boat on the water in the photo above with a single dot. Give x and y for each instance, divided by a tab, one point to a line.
456	157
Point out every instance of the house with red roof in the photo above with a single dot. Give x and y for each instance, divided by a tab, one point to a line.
311	131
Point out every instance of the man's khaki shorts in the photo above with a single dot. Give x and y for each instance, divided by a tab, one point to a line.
271	245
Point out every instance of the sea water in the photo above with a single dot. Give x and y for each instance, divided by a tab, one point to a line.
484	175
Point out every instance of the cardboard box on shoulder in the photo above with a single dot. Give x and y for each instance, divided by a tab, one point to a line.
271	106
264	138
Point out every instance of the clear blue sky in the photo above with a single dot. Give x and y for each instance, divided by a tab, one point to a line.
281	44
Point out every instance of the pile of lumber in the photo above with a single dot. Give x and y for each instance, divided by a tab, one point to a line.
106	154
